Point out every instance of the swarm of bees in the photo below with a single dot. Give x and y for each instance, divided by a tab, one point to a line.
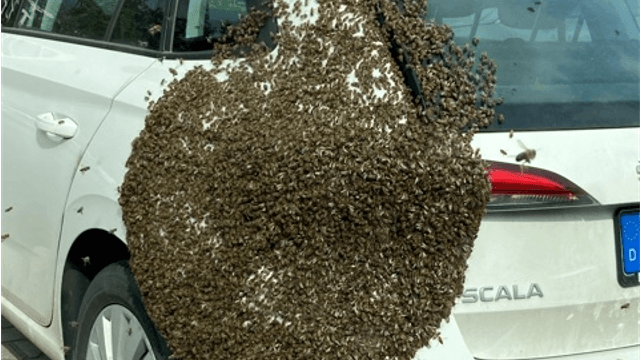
315	219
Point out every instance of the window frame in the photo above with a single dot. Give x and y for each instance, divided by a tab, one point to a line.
166	40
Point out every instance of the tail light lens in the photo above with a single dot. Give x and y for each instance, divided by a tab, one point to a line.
514	187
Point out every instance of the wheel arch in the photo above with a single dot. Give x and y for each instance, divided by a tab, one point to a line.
91	252
93	236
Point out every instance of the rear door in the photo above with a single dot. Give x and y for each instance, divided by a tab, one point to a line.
57	87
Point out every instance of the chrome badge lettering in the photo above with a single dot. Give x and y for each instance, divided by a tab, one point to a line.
502	292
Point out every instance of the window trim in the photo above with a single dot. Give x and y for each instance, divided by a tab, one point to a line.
171	25
168	23
80	41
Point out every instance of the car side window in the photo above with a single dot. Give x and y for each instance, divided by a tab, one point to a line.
199	23
139	24
10	11
87	19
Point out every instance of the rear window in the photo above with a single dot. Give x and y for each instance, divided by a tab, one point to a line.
561	64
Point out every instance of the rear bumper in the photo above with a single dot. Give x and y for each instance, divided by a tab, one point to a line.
627	353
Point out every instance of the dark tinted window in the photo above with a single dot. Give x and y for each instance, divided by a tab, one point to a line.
140	23
10	11
561	64
200	23
81	18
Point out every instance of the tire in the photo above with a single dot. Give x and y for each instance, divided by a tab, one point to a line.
75	285
112	320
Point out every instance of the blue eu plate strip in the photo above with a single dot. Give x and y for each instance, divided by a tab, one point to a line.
630	233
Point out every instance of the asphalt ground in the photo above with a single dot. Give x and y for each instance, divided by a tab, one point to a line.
16	347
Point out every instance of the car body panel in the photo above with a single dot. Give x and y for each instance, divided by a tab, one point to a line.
569	253
582	307
47	339
41	76
452	346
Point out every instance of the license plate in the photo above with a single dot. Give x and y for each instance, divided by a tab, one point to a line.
628	246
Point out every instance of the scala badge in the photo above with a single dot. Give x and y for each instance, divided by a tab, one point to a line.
487	293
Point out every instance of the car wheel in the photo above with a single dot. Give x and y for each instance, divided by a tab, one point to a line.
112	321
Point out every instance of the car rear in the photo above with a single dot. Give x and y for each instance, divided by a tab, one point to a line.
554	270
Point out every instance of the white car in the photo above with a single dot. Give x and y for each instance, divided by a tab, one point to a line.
553	272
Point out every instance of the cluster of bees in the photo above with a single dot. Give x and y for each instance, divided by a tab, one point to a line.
311	207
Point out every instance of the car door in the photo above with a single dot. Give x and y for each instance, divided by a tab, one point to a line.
57	87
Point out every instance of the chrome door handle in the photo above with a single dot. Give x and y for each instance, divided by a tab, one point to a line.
56	124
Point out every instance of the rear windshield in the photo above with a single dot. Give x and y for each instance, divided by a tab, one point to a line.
561	64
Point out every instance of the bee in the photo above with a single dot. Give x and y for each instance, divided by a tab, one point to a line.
74	324
181	61
86	261
8	209
130	331
625	306
531	9
146	98
112	231
80	210
60	122
173	71
511	132
162	82
5	236
149	92
440	339
475	41
66	349
527	155
84	169
156	28
503	152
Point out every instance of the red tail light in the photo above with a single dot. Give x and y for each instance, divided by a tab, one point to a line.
514	187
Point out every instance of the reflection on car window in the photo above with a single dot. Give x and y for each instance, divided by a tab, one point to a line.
559	57
140	23
200	22
10	11
82	18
